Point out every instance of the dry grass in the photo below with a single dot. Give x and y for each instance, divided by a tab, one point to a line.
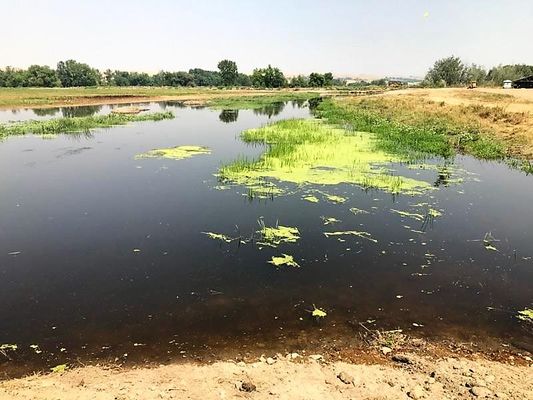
503	116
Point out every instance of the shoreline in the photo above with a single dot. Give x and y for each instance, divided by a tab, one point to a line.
416	371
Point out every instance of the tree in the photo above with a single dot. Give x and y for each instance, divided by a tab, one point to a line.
268	77
201	77
229	72
500	73
244	80
316	80
40	76
72	73
476	73
180	78
328	79
450	71
299	81
12	77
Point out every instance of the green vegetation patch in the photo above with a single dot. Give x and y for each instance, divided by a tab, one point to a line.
274	236
526	315
175	153
285	259
77	124
313	152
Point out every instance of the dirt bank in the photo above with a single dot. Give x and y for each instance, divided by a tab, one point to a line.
293	376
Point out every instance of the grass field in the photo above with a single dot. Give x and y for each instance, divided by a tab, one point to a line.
54	97
443	121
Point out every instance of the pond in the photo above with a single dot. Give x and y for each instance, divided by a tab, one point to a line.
104	255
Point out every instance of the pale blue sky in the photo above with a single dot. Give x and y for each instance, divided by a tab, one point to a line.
348	38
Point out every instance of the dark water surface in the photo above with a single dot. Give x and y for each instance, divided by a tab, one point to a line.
73	210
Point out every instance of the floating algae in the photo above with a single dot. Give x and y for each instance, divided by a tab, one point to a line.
418	217
311	199
274	236
330	220
175	153
284	260
318	312
6	346
526	315
335	199
312	152
361	234
356	211
218	236
59	368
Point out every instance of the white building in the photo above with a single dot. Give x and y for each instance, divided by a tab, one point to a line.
507	84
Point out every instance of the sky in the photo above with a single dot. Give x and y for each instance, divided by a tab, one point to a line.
349	38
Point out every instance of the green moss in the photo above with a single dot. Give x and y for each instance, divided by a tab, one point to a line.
175	153
76	124
312	152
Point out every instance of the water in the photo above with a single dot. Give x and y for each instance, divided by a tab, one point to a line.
74	211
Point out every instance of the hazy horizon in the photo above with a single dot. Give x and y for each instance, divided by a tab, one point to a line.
345	37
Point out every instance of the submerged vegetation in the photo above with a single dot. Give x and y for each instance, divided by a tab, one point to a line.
175	153
77	124
313	152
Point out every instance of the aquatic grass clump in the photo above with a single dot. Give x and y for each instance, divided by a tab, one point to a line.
77	124
175	153
313	152
274	236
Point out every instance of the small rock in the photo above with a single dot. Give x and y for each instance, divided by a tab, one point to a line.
316	357
401	358
345	378
500	395
247	386
270	361
431	380
386	350
480	391
294	356
416	393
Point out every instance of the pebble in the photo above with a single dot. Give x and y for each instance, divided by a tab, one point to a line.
480	391
402	359
316	357
386	350
270	361
346	378
247	386
416	393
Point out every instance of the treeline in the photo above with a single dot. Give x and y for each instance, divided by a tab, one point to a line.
452	71
71	73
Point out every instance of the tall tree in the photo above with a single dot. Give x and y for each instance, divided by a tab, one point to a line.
450	71
72	73
268	77
229	72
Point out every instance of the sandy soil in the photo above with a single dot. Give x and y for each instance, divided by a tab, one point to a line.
405	376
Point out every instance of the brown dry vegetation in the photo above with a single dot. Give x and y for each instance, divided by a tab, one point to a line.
503	115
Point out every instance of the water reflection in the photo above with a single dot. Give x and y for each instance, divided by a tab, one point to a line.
229	116
271	109
85	111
